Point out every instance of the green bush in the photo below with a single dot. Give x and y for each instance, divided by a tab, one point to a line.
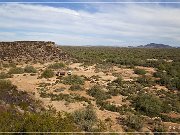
118	81
145	80
30	69
16	70
73	80
85	118
36	122
5	84
3	75
97	92
75	87
148	104
114	91
139	71
13	65
56	66
134	122
48	73
60	89
108	106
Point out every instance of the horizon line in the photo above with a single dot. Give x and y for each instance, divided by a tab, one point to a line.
95	2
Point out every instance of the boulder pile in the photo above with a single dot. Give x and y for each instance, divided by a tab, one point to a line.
30	51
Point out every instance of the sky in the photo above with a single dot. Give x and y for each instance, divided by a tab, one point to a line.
91	22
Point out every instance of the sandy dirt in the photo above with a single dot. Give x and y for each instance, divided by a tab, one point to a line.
126	73
30	84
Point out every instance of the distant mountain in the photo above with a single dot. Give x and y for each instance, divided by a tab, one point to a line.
154	45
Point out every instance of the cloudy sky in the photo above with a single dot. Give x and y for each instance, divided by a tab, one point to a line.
115	23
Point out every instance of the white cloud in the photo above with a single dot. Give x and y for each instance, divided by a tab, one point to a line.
111	24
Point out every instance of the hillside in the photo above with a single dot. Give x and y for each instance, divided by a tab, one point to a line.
34	51
108	89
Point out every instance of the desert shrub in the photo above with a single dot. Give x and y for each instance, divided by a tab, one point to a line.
44	84
107	106
145	81
70	98
48	73
5	84
59	89
167	118
16	70
134	122
158	126
36	122
85	118
13	65
148	104
10	95
139	71
56	66
85	78
73	79
97	92
4	75
124	109
118	81
116	74
114	91
81	98
75	87
30	69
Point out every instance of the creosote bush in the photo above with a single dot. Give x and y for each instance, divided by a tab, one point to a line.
36	122
148	104
30	69
73	80
85	118
118	81
139	71
4	75
48	73
56	66
16	70
145	80
75	87
134	122
97	92
5	84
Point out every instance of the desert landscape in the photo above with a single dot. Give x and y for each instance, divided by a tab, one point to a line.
88	89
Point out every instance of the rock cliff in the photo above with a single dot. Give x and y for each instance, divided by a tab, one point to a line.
30	51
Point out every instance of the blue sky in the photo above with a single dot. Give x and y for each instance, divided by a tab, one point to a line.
113	24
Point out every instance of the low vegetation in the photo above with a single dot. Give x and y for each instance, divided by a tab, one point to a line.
118	93
30	69
4	75
148	104
73	80
56	66
97	92
139	71
16	70
47	73
36	122
75	87
133	122
85	118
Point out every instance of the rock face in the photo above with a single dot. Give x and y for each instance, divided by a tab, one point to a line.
30	51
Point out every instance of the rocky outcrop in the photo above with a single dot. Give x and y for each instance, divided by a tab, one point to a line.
30	51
